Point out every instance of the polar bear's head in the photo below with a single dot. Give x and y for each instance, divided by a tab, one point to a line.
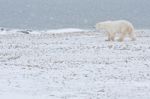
102	25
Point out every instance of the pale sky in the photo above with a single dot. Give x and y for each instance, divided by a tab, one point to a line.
49	14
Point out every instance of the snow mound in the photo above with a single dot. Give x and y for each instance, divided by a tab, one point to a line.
65	30
53	31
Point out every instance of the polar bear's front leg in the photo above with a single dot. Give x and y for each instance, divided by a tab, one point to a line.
109	37
122	36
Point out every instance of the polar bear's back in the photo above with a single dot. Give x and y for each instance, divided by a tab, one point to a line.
123	22
122	26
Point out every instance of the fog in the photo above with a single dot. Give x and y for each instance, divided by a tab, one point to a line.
52	14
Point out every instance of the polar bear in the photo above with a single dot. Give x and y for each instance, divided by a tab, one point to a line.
120	26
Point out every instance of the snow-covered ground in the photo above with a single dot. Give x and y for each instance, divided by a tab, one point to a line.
73	64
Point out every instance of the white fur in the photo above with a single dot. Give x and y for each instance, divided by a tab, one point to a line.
121	26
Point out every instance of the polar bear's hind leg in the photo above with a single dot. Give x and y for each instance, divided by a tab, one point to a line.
113	36
132	36
131	33
122	36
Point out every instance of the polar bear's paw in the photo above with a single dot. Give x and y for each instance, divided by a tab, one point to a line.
107	40
120	40
133	39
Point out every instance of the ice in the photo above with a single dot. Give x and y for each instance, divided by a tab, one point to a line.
73	64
